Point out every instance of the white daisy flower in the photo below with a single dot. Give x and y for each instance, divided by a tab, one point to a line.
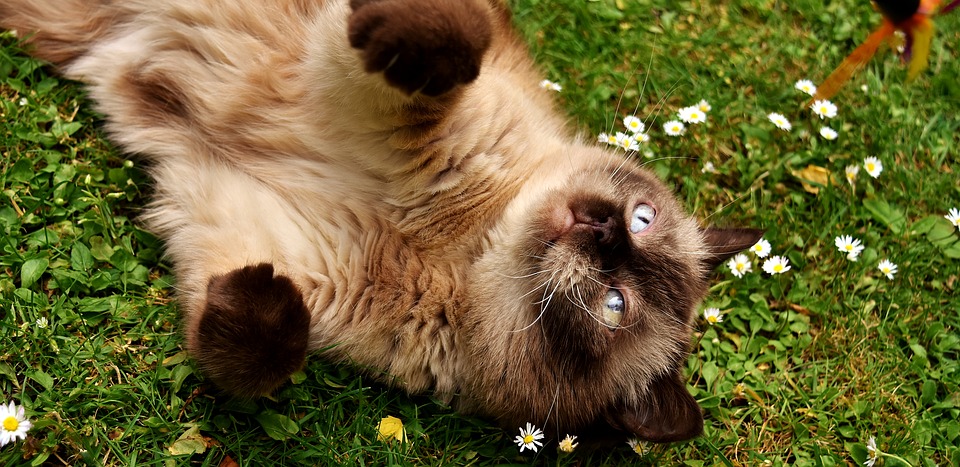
674	128
529	438
824	109
23	101
780	121
634	124
887	268
806	86
641	137
954	217
550	85
708	168
849	245
851	172
13	423
872	452
761	248
712	315
637	446
739	265
42	322
873	166
828	133
567	444
692	115
704	106
603	138
629	144
776	265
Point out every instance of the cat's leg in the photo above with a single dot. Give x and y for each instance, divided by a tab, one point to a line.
241	252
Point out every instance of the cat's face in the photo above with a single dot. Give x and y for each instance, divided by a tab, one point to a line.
587	309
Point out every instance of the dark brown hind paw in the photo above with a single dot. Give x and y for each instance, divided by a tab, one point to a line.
253	332
426	46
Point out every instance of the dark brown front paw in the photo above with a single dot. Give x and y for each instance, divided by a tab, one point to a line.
426	46
253	332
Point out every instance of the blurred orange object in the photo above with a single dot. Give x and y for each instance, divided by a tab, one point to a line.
913	19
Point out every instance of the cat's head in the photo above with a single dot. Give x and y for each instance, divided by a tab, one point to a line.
583	308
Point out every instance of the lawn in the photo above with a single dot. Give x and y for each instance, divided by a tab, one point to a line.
804	368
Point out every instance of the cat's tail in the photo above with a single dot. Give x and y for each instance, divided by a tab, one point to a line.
60	31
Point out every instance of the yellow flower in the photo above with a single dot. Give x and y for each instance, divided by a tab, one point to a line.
391	427
568	444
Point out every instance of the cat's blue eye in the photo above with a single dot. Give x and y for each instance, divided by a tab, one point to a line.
613	308
643	216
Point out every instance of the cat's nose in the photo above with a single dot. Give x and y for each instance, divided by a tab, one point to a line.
598	219
603	230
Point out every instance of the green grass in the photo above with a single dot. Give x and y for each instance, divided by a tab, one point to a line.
804	368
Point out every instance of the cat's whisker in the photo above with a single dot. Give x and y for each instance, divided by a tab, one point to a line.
646	76
525	276
725	206
660	103
616	172
607	286
583	306
543	286
553	406
541	258
544	302
666	158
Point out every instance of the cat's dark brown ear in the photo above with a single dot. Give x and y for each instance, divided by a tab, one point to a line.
722	244
669	414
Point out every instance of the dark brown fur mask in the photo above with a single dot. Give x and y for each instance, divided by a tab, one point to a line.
587	313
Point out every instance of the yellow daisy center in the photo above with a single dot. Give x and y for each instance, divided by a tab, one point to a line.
712	319
778	267
757	248
11	424
870	167
740	266
527	439
848	247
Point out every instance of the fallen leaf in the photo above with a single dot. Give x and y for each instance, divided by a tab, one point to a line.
190	442
229	462
815	174
391	427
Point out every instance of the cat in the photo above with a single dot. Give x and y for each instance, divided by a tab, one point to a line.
384	182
